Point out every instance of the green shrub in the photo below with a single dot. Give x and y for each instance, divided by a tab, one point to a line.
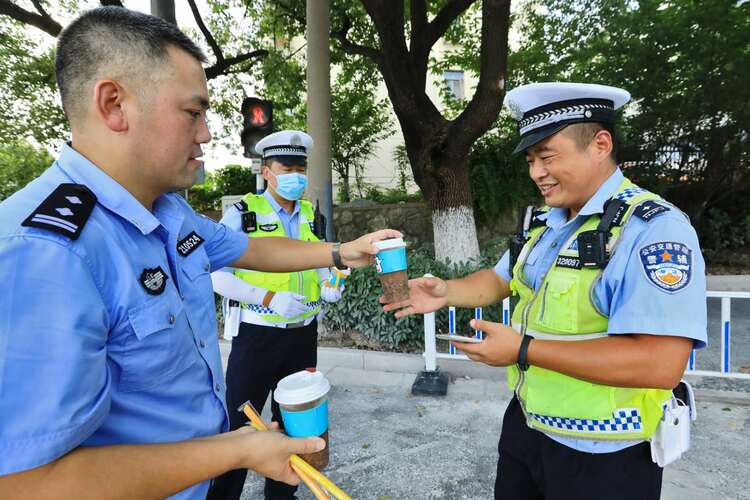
360	310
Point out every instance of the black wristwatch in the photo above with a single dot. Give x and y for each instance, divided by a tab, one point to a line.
522	352
337	256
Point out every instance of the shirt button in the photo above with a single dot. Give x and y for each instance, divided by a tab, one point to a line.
171	319
206	267
202	344
554	244
218	387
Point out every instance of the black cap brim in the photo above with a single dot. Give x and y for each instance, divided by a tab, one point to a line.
537	136
289	160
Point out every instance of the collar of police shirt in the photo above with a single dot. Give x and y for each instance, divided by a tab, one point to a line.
247	316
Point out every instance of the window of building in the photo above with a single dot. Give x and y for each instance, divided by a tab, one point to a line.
454	80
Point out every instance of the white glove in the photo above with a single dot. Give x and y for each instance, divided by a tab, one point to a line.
288	304
329	293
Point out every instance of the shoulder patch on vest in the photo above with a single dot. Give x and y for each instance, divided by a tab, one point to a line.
66	210
536	218
667	264
269	227
649	209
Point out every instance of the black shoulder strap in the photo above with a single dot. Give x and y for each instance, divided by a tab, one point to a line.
241	206
66	210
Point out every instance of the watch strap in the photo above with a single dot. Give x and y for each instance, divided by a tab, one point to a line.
523	365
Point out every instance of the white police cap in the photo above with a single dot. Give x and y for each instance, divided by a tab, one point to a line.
543	109
285	143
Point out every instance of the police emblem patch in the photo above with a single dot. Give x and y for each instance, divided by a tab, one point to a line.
667	264
154	280
268	227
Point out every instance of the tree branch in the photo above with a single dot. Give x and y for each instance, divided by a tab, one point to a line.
353	48
486	102
206	33
418	14
222	67
442	21
42	21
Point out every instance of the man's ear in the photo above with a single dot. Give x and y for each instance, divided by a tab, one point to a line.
107	105
602	143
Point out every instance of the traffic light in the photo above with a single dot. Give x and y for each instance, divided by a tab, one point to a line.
257	122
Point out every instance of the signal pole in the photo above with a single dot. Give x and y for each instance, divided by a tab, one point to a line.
319	108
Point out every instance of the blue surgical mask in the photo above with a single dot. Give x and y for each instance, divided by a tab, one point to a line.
290	186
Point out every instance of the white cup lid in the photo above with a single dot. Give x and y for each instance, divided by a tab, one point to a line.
301	387
390	243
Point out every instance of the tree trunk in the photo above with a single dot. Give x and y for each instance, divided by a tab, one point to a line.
447	189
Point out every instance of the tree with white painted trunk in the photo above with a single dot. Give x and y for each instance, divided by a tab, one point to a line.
438	147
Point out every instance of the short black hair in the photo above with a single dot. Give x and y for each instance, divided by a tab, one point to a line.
583	133
112	40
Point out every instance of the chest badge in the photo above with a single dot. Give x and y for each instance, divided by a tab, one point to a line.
668	265
154	280
269	227
189	243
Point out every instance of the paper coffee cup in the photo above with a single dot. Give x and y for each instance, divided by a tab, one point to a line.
390	263
303	401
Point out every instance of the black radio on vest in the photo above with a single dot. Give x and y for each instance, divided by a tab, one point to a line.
319	223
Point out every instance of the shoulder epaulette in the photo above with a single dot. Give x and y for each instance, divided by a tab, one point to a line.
66	210
536	220
649	209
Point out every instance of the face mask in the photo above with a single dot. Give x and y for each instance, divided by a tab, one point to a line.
290	186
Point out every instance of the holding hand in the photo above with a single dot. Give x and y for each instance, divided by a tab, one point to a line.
426	295
499	348
329	293
358	253
268	452
288	304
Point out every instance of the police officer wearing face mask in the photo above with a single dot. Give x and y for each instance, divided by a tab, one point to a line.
278	330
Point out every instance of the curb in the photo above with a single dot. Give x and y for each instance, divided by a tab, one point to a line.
343	360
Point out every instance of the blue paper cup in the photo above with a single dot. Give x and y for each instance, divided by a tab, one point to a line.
303	401
390	263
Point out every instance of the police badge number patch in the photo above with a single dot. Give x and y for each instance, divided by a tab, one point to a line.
667	264
189	243
154	280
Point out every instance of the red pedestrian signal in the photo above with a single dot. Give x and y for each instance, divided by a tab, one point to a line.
257	122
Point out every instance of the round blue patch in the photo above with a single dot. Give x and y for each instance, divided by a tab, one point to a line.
667	264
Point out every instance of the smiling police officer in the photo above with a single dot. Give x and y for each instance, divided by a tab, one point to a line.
110	375
611	288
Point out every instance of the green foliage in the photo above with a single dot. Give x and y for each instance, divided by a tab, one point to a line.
28	101
229	180
392	195
499	179
20	163
686	66
360	310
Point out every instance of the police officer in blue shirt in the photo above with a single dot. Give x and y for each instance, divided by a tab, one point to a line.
611	287
110	374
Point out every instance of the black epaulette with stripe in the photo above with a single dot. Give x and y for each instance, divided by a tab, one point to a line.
65	211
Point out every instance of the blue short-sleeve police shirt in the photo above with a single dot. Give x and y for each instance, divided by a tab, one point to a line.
630	292
110	338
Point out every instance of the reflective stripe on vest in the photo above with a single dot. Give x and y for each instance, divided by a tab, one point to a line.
563	308
303	283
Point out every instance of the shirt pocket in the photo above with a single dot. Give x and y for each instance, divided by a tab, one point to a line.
150	356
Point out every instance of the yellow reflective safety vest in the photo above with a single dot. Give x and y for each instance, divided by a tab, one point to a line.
267	224
563	308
